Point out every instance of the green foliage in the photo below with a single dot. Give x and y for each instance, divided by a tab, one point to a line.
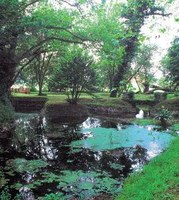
158	180
164	115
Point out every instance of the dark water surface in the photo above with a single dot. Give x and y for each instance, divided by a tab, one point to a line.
86	161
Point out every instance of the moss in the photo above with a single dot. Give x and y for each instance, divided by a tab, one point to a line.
155	182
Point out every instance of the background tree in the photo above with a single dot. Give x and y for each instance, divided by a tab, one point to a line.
143	71
41	67
134	14
171	64
75	76
105	27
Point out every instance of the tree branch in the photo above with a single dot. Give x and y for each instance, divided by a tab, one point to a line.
160	14
76	5
19	71
65	29
33	49
29	4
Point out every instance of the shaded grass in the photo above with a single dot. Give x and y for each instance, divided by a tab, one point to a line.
172	95
159	180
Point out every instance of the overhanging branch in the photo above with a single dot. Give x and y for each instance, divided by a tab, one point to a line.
31	50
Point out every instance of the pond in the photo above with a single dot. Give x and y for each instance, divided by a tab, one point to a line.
87	161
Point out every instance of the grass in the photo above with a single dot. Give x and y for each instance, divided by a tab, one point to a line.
144	97
97	99
172	96
176	127
158	180
55	97
144	122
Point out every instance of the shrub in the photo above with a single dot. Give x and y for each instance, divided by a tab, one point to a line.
164	115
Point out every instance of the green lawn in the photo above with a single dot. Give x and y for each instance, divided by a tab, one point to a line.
99	99
159	180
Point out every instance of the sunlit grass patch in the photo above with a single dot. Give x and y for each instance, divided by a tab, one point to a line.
144	97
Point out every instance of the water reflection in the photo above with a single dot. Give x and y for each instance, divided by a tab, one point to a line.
98	150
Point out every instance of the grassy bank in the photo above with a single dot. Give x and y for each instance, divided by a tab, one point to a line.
159	180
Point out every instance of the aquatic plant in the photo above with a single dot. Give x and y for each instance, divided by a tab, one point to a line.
53	196
164	115
81	184
22	165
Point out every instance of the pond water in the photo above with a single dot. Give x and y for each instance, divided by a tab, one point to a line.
86	161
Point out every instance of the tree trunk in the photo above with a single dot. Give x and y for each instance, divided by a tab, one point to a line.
7	72
146	87
40	89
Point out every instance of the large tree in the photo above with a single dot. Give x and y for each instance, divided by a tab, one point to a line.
134	14
21	22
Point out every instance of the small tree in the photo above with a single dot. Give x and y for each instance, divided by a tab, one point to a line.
74	76
40	68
